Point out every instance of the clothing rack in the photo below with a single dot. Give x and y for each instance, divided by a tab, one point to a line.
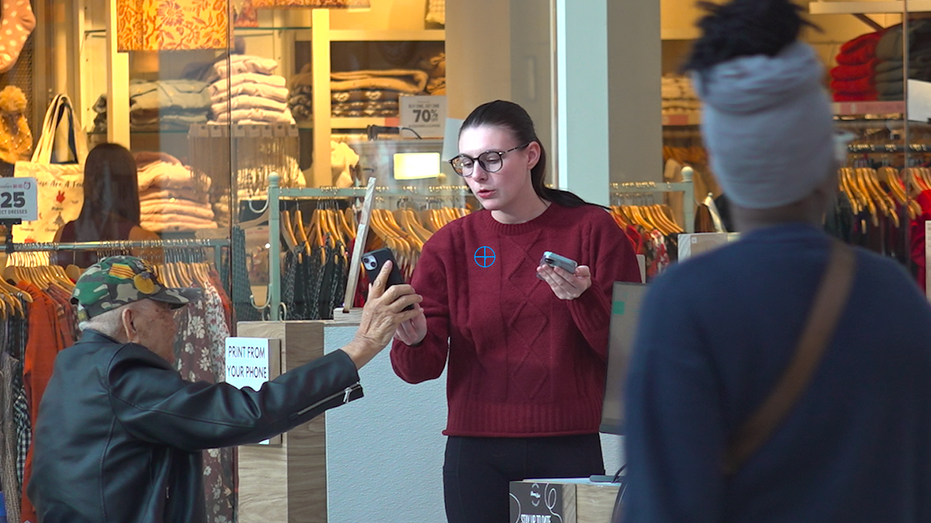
193	243
276	193
888	148
663	187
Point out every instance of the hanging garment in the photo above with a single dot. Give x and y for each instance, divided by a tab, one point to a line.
46	340
199	349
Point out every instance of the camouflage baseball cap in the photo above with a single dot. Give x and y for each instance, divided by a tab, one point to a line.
117	280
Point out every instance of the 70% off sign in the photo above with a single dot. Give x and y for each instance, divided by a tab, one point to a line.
424	114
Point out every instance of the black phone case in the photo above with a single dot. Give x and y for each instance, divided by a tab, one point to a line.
379	257
374	260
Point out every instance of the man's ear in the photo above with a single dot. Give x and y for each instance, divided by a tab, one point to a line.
127	318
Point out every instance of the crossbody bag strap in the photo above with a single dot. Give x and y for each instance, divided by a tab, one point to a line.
829	302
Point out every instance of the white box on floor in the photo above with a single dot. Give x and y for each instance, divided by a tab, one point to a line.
693	244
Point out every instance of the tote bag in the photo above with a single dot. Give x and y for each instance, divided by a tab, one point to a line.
58	166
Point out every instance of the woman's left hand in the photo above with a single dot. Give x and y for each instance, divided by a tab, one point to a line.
565	285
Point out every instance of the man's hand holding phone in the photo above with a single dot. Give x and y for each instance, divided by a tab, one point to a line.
387	307
413	330
567	279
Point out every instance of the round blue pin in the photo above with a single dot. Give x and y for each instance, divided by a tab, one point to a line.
484	257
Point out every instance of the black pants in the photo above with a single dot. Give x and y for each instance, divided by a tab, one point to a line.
477	471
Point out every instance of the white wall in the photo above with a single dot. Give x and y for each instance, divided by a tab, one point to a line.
385	451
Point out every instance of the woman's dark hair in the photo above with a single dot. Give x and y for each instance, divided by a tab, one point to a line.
513	117
744	28
111	193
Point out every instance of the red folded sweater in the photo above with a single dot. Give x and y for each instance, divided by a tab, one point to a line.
854	72
856	97
860	50
862	85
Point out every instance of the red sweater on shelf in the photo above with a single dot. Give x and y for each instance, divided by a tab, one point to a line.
522	362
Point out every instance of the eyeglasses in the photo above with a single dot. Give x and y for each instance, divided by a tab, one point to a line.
491	161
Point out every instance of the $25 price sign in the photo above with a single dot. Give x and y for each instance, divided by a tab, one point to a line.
19	199
424	114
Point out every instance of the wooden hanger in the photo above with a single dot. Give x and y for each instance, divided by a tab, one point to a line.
74	272
348	231
287	230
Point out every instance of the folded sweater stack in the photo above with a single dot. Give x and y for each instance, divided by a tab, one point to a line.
171	197
890	82
678	96
853	78
361	93
166	104
245	91
871	66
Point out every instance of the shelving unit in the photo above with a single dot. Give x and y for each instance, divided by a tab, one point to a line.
321	36
825	7
860	108
674	120
278	31
427	35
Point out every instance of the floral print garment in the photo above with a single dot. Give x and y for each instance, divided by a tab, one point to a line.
199	348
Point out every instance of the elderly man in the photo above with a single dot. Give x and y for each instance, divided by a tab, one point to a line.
119	434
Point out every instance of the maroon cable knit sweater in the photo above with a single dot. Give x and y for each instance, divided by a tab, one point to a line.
522	362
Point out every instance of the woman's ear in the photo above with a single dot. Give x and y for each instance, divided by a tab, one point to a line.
533	154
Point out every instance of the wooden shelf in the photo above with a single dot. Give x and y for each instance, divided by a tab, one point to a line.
355	122
857	108
825	7
353	35
672	120
689	33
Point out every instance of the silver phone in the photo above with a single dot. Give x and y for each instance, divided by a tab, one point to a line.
554	260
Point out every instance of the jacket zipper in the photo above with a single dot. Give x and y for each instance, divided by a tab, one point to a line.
345	393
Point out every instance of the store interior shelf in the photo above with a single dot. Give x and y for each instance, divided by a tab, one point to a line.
859	108
687	33
672	120
350	35
825	7
271	28
355	122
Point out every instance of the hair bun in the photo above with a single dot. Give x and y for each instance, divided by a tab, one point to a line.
744	28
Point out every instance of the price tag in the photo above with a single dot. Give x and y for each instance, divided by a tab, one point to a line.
424	114
19	199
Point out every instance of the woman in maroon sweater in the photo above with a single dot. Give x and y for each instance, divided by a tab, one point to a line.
526	343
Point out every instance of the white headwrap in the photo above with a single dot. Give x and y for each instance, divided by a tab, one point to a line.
767	124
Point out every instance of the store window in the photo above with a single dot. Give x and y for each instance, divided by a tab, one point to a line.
864	46
253	129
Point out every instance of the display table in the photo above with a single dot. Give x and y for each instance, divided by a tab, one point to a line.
562	501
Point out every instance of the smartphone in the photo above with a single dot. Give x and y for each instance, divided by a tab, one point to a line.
554	260
373	262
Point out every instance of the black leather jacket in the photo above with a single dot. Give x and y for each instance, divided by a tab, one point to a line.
119	434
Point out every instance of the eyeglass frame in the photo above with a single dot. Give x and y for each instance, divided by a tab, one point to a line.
480	162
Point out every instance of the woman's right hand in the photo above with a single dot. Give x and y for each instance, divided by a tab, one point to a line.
414	330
